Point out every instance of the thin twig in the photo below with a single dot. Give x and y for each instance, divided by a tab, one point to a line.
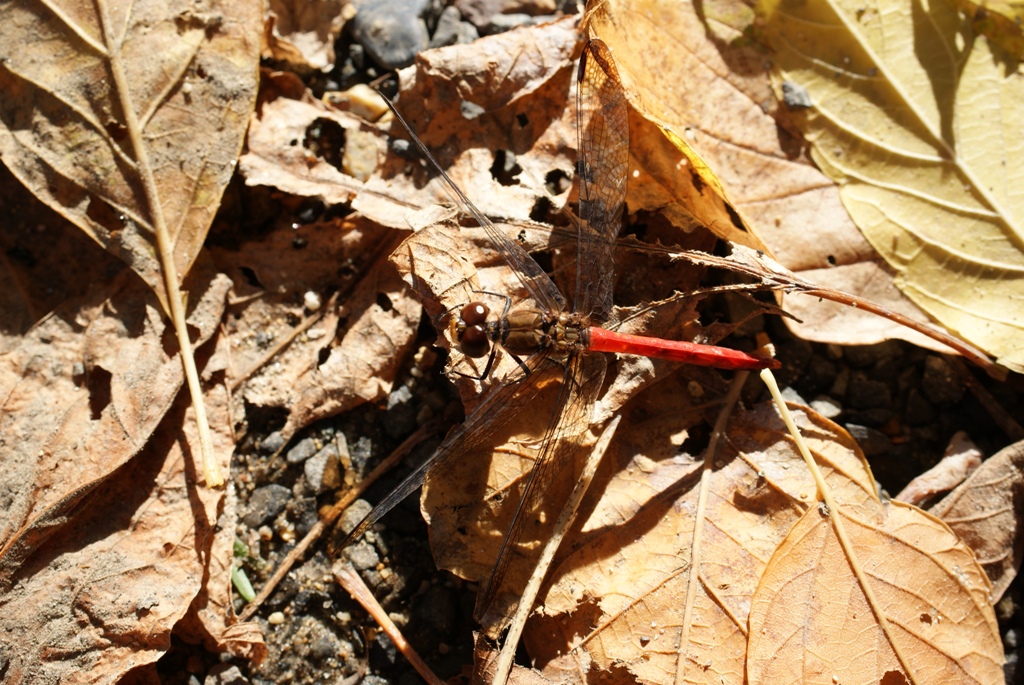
350	580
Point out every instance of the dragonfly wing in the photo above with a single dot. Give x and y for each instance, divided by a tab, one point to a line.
536	282
538	509
603	163
499	407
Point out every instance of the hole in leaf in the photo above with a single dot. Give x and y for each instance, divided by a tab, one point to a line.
326	139
541	210
505	169
557	182
99	391
250	277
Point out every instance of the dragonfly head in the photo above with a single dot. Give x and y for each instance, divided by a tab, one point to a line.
471	330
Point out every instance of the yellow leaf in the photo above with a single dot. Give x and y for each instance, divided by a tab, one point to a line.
919	121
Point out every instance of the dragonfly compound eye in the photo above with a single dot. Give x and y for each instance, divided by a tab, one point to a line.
474	342
475	314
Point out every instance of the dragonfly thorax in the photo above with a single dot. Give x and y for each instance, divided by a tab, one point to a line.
521	332
527	331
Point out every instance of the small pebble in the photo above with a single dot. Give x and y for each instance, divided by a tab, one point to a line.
874	443
791	395
266	503
302	451
354	514
361	452
272	443
826	406
276	619
392	31
470	111
361	155
311	301
939	383
360	99
400	395
795	96
225	674
322	471
500	23
362	556
841	383
451	30
864	393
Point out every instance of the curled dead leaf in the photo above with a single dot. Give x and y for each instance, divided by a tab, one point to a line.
302	34
351	354
503	98
297	146
985	512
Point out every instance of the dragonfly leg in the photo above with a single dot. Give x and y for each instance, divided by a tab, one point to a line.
487	368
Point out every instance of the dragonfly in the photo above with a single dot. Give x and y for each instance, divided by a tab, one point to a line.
554	345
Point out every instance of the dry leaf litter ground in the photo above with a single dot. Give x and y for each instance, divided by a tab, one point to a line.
901	403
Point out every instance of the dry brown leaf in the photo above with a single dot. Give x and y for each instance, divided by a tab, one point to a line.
302	34
83	392
985	512
326	370
999	21
915	117
290	143
961	458
41	263
117	574
618	599
66	128
698	76
504	93
923	617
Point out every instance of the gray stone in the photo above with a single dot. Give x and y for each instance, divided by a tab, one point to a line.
302	451
940	383
266	503
874	443
452	30
392	31
322	470
225	674
272	443
362	556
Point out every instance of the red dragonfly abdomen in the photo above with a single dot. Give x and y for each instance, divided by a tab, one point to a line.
601	340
